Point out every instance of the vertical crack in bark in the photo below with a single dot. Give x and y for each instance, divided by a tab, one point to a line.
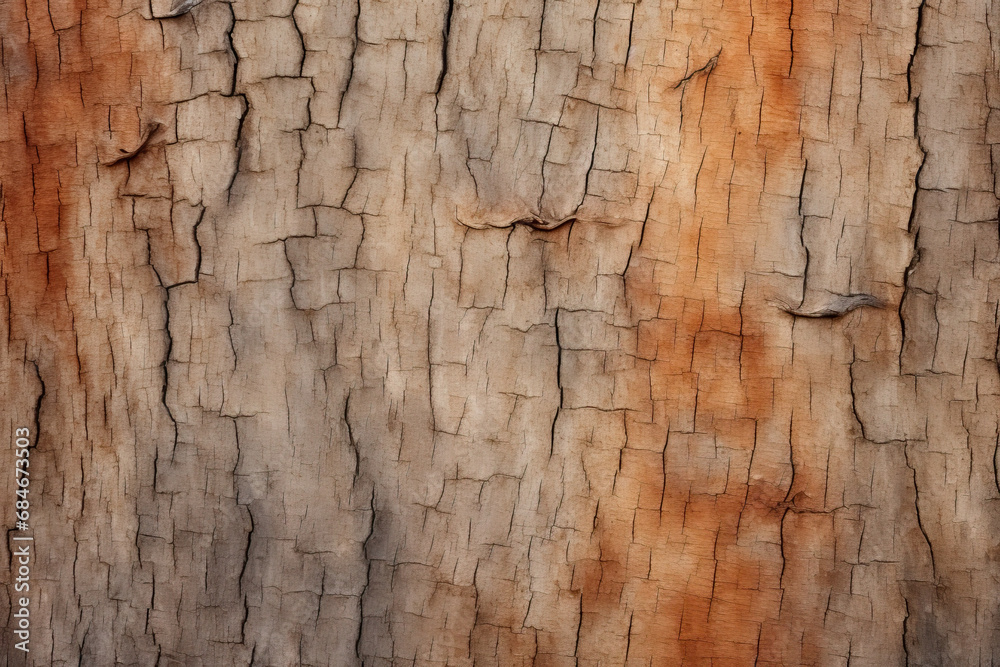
165	367
579	628
784	559
229	329
996	461
911	223
350	437
541	36
907	274
590	164
593	32
906	631
631	27
368	577
791	37
916	505
854	397
242	577
430	362
802	233
559	383
350	72
445	42
38	405
245	108
302	39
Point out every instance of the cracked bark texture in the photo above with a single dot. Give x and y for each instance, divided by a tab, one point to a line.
557	332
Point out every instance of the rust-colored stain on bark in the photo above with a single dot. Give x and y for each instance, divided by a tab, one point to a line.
691	542
77	79
71	88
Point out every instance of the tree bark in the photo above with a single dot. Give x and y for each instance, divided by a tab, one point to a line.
556	332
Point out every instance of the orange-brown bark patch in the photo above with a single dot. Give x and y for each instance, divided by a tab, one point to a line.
715	555
68	91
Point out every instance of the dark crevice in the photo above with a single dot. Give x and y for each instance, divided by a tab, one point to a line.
854	397
631	27
802	233
791	37
593	32
243	571
590	165
368	578
350	436
912	225
579	630
784	557
350	72
302	39
38	407
229	329
166	363
445	40
559	383
291	269
916	505
430	364
791	458
914	260
996	458
706	69
243	98
906	629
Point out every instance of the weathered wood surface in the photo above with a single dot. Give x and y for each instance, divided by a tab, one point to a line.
306	392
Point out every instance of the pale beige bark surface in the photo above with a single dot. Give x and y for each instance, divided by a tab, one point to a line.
548	332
